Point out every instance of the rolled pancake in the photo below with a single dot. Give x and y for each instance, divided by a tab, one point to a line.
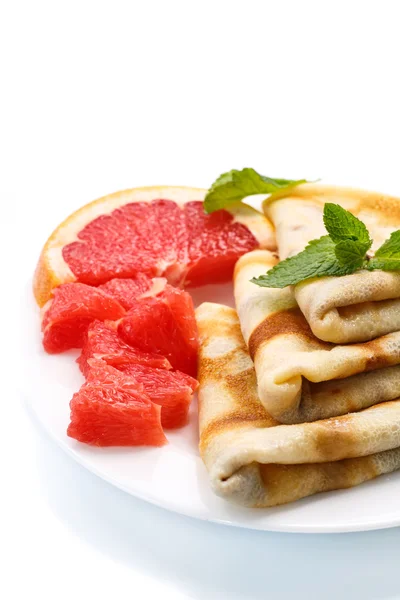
353	308
254	461
301	378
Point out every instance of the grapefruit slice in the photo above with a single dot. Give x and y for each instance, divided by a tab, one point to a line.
158	231
166	325
172	390
102	342
110	409
126	291
67	316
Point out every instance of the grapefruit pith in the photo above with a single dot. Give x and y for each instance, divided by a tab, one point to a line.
102	342
166	325
111	410
158	231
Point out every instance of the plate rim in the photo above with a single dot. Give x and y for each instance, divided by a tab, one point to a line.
27	395
168	506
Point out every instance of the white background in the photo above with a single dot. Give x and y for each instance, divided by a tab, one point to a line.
99	96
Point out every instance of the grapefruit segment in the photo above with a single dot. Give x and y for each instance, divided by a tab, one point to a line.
149	230
172	390
216	242
102	342
164	325
139	237
126	291
68	315
111	410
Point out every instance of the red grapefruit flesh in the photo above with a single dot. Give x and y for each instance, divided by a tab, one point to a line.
111	410
73	307
150	236
126	291
173	390
140	237
103	342
216	242
159	238
164	325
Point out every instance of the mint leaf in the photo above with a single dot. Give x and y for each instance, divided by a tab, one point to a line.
351	253
387	257
230	188
318	259
342	225
342	252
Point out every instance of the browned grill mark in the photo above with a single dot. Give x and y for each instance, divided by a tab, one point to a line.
334	440
220	327
233	420
217	367
281	323
290	482
242	388
213	368
376	356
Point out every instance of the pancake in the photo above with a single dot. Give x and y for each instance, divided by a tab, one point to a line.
353	308
254	461
299	376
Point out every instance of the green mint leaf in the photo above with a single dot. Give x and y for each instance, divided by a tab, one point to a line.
318	259
351	253
342	225
348	233
232	187
391	248
387	257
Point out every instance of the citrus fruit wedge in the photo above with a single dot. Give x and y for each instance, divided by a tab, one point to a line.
164	324
158	231
126	291
111	409
102	342
67	316
172	390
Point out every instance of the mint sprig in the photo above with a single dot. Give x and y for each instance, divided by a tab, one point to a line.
232	187
387	258
342	252
342	225
351	253
318	259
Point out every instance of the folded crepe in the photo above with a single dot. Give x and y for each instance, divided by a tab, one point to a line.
300	377
254	461
353	308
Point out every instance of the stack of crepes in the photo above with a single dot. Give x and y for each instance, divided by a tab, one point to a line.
300	388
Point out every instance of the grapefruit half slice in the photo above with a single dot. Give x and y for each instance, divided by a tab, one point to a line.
158	231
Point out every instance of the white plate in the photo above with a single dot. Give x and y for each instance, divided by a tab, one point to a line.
174	476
